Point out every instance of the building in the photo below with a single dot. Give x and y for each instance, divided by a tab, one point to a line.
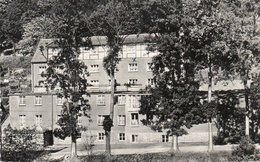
41	108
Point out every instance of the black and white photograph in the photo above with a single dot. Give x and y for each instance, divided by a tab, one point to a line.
129	80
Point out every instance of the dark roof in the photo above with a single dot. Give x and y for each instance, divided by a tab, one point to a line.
41	56
130	39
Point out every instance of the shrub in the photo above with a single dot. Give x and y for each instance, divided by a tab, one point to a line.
219	140
20	145
245	149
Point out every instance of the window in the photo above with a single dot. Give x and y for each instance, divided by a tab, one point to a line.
94	68
165	138
94	82
22	100
121	99
133	101
60	100
121	136
102	51
134	138
38	100
131	51
109	82
144	51
133	81
93	54
101	136
84	53
149	66
101	100
79	121
101	119
150	81
134	119
38	120
132	67
22	121
42	69
121	119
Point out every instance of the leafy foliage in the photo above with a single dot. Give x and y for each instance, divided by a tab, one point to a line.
21	145
68	73
16	13
254	111
175	99
245	149
229	119
114	20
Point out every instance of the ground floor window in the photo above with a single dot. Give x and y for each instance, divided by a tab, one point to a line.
134	138
121	136
101	136
165	138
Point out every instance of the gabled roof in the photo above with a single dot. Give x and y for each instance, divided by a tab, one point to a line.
41	56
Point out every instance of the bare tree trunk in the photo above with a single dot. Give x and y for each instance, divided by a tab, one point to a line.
210	144
247	108
73	148
73	152
111	115
108	145
176	145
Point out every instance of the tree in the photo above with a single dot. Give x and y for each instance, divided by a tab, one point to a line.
37	28
17	12
175	100
213	20
66	72
243	41
255	111
207	25
114	20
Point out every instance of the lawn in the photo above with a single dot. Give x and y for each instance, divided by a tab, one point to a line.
161	157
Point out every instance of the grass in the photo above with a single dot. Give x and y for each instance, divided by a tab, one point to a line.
160	157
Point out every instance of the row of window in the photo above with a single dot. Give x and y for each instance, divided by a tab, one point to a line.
129	51
131	67
22	120
38	120
95	68
100	101
134	137
37	100
150	81
121	119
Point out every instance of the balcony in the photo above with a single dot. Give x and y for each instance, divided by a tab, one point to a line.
119	88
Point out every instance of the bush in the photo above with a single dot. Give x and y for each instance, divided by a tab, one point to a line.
219	140
245	149
21	145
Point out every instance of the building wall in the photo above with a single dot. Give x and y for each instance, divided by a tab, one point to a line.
50	109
